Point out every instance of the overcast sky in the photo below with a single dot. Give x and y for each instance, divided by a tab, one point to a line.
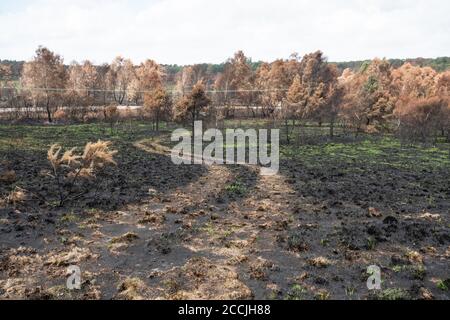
193	31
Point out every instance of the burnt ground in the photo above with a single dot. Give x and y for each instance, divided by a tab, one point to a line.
148	229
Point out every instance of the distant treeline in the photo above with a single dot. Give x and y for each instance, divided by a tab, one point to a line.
409	97
171	69
16	67
439	64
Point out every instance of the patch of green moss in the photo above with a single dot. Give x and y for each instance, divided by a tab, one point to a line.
391	294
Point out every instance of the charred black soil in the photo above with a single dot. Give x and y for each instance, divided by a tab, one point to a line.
149	229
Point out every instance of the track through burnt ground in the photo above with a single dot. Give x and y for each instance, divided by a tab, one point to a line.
151	230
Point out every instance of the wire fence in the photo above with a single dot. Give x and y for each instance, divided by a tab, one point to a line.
19	98
172	90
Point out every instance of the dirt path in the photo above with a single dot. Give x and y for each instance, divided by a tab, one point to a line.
204	226
237	236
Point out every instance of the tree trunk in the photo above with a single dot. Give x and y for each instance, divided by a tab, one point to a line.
193	124
286	122
298	132
332	127
49	114
157	121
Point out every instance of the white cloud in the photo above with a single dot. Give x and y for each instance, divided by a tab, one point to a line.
180	31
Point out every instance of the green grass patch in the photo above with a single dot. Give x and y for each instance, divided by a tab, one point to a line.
236	188
387	152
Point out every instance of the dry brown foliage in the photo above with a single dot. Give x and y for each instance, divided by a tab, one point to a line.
370	96
420	118
111	114
69	166
93	116
190	108
157	104
45	71
8	176
16	196
60	115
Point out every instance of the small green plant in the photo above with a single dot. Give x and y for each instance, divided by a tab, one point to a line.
371	242
322	295
236	188
443	285
398	268
350	291
296	243
227	233
392	294
69	217
92	210
297	292
63	240
431	201
273	295
419	272
209	229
